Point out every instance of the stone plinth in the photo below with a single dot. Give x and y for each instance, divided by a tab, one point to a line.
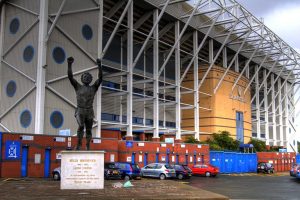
82	170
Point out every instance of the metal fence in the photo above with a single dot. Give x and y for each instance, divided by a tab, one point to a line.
233	162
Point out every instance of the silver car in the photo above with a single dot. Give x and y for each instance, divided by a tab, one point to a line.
56	174
160	170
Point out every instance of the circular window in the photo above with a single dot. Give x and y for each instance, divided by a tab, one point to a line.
14	25
28	53
59	55
56	119
11	88
87	32
25	118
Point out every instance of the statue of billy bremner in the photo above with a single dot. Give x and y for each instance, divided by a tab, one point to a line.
85	94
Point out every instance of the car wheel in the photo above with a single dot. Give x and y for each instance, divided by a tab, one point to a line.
180	176
126	178
162	177
207	174
269	171
56	176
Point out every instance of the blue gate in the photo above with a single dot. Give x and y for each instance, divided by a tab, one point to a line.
133	158
24	161
145	159
298	158
47	162
233	162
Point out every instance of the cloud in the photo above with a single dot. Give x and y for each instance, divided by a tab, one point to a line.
282	17
285	23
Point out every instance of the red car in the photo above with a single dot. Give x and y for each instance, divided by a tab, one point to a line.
205	169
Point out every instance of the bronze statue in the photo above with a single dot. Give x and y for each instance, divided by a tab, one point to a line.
85	94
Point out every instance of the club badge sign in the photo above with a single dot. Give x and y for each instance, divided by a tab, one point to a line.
238	97
12	150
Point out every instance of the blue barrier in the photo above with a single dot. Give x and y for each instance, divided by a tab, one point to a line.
233	162
298	158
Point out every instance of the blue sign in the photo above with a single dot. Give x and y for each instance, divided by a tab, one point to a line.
282	150
12	150
169	140
129	144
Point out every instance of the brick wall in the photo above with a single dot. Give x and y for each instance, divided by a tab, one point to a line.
115	149
281	161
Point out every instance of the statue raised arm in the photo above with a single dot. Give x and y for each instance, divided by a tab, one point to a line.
85	94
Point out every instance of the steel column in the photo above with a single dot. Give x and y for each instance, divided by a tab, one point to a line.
246	67
234	60
155	77
266	102
41	70
217	55
257	104
236	64
195	53
128	6
55	20
150	34
177	80
225	57
211	51
253	77
179	38
280	112
196	81
273	110
286	117
2	27
129	69
270	71
100	46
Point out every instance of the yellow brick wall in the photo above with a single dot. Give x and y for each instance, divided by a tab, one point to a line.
223	114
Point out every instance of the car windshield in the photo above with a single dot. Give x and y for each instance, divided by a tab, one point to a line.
186	167
110	166
269	165
169	167
135	167
178	167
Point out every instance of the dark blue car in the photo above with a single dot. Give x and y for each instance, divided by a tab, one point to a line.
295	171
129	170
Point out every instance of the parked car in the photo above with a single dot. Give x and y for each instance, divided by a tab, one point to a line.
182	171
111	171
295	170
129	170
265	167
160	170
56	174
205	169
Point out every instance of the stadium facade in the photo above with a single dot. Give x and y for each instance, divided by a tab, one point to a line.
171	68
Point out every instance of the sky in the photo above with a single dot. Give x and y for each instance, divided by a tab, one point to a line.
283	18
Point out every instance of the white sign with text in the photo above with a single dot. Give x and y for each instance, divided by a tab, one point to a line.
82	170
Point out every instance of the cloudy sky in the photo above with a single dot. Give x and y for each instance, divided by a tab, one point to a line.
281	16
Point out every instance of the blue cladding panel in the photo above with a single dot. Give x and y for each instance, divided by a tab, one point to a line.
298	158
232	162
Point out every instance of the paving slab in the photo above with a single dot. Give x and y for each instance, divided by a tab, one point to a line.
142	189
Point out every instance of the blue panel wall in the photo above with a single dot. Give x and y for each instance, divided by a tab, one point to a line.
233	162
298	158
